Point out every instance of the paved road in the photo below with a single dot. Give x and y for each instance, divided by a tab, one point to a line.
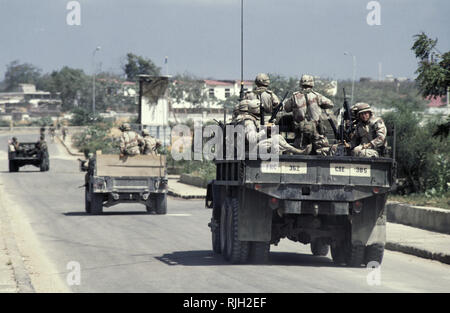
126	250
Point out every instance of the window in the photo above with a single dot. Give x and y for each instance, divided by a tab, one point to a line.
211	92
227	92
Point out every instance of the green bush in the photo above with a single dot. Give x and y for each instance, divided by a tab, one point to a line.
96	137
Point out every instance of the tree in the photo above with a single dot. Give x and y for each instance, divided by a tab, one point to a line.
17	73
139	65
188	88
433	73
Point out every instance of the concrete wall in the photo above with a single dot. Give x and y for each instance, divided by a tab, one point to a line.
433	219
193	180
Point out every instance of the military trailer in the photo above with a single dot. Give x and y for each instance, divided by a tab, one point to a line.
111	180
28	153
322	201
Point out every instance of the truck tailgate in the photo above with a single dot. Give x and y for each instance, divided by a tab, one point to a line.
134	166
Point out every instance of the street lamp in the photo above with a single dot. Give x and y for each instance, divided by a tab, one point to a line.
354	73
93	80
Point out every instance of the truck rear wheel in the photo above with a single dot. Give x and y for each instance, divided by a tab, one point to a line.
236	250
337	253
354	255
223	228
374	253
96	203
319	247
259	252
215	236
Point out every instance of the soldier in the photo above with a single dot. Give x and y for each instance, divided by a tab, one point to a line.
129	141
369	139
307	107
64	132
248	116
150	143
15	144
269	101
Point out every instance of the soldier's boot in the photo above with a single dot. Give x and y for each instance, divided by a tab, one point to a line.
307	150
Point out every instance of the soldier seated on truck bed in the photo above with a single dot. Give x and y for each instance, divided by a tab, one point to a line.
369	138
130	141
150	144
247	113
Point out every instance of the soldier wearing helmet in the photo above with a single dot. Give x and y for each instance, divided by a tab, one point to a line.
248	115
129	141
369	139
150	143
268	99
307	107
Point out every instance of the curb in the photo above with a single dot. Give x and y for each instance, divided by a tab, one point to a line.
177	195
436	256
68	149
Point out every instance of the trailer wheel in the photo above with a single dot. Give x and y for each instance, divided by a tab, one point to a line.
45	164
319	248
236	250
13	167
374	253
87	203
96	203
259	252
160	201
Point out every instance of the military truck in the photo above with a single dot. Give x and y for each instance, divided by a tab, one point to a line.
111	180
324	201
28	153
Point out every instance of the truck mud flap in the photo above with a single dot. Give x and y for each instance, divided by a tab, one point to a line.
369	226
255	216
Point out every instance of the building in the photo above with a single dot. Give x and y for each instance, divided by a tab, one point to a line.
27	103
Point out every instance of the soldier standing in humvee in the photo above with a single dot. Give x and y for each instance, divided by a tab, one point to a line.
307	106
369	139
150	143
130	141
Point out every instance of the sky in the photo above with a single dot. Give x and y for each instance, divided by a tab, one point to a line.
202	37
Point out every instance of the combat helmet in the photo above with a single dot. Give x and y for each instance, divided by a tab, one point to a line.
262	79
254	107
307	81
125	127
145	132
363	107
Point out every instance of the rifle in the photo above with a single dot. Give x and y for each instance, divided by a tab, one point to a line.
344	131
278	108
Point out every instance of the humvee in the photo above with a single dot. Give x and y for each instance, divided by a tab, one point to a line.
29	153
111	180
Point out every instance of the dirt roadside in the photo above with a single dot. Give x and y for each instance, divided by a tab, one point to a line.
33	271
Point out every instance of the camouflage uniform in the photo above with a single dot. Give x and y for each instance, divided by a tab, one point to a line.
150	143
307	108
130	141
249	118
267	98
369	137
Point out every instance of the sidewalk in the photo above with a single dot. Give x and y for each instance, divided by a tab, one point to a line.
422	243
184	191
7	280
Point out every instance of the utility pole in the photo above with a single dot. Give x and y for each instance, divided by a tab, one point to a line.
93	80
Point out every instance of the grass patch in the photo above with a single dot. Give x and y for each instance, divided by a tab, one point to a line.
421	199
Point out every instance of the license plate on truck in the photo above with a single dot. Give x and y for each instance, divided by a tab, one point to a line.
358	170
284	167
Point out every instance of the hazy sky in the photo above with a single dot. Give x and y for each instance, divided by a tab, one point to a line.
202	37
